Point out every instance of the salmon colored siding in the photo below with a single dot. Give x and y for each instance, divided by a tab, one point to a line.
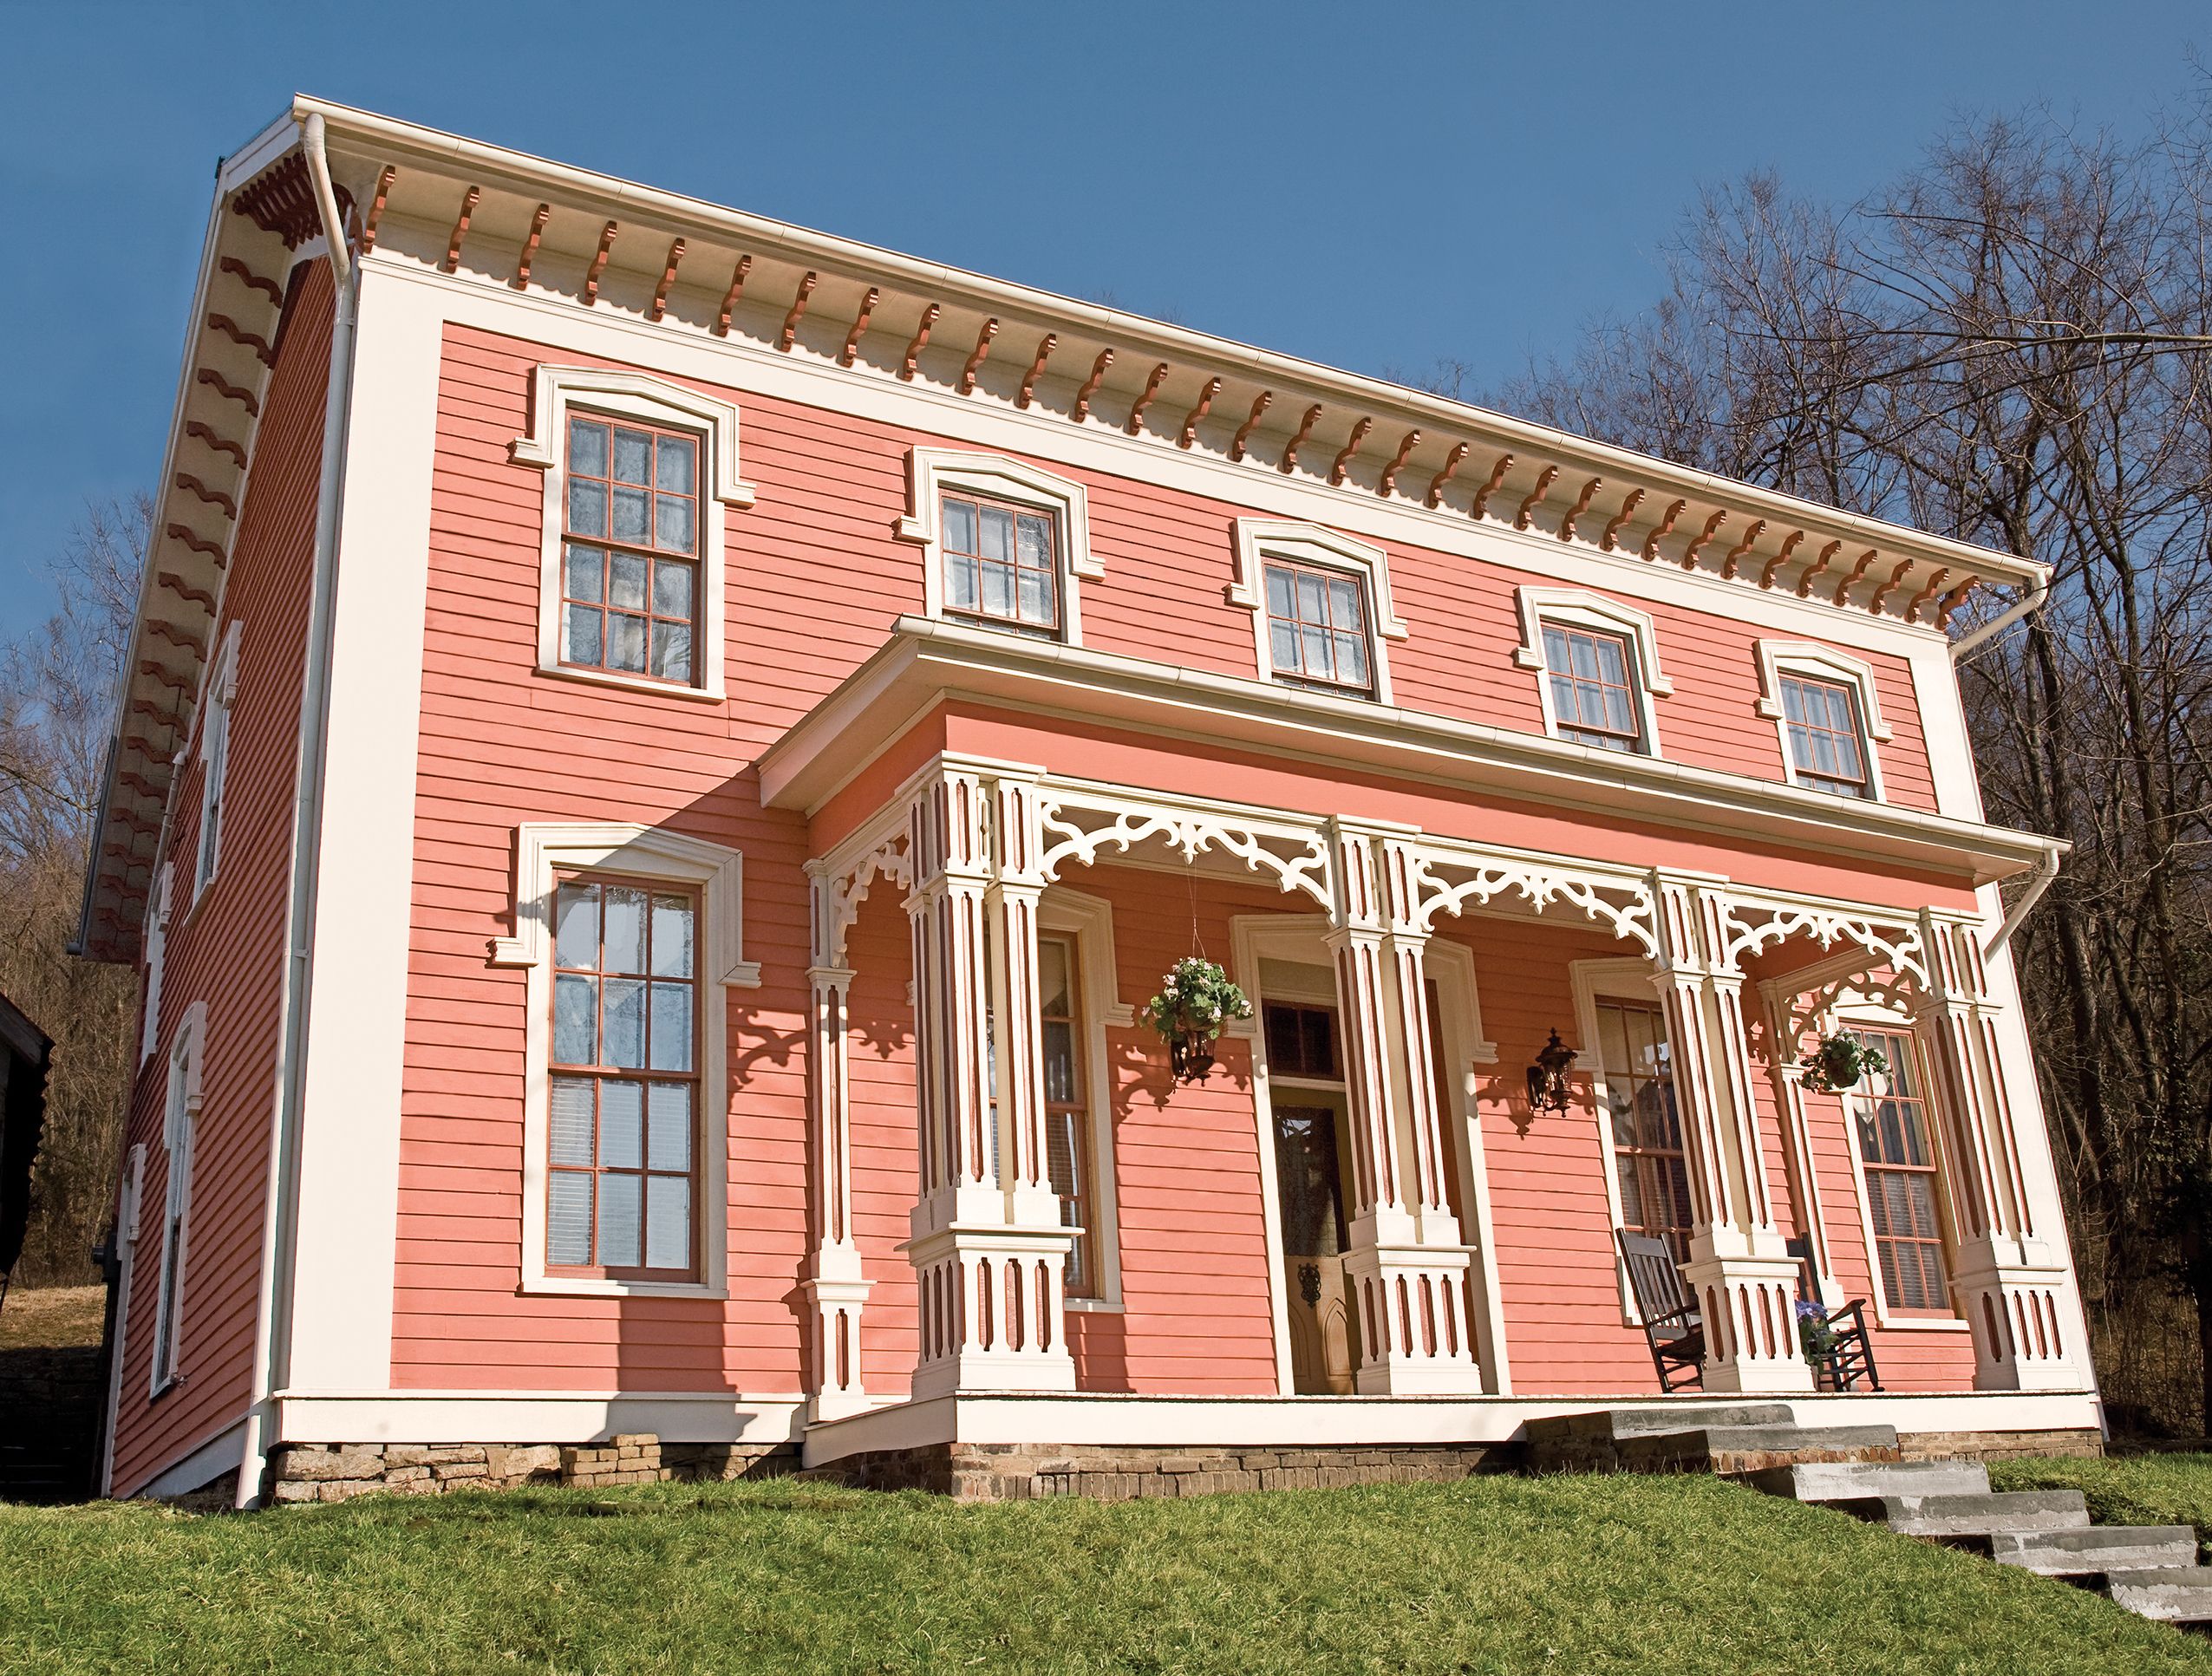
814	579
227	949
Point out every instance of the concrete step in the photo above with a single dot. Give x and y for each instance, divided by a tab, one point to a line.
1739	1450
1642	1422
1592	1440
1949	1517
2097	1548
1845	1481
2173	1595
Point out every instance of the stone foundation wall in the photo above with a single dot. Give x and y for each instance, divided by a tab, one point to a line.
1996	1445
338	1472
1001	1472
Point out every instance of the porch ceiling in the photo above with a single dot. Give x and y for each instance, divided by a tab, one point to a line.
927	662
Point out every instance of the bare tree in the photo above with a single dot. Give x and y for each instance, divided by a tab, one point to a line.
2010	345
57	692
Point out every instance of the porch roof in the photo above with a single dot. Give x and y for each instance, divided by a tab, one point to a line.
926	661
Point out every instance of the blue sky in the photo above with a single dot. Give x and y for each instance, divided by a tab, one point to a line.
1373	187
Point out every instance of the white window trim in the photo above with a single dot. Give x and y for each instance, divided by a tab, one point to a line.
655	402
180	1104
1866	1017
1089	920
1628	980
215	762
157	954
931	472
1577	608
1259	539
644	853
1778	658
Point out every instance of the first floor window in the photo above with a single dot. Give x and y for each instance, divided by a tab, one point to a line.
1647	1130
1593	700
629	554
1822	720
1000	563
624	1100
1317	628
1067	1109
176	1206
1896	1153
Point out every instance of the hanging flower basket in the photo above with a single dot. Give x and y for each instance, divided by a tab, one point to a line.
1815	1335
1838	1063
1196	1003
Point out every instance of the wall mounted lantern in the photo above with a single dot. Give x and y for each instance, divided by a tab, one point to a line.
1548	1090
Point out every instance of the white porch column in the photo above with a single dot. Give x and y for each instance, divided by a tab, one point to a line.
1745	1282
836	1286
1406	1259
2012	1279
990	1255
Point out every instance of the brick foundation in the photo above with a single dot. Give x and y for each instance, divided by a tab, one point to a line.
1001	1472
1996	1445
338	1472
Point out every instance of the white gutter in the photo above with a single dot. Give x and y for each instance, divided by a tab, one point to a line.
273	1323
1998	624
2046	871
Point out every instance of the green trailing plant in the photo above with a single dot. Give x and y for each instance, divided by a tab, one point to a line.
1196	1003
1838	1062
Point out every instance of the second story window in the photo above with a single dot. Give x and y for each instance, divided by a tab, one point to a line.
629	566
1317	628
1001	563
1592	695
1821	718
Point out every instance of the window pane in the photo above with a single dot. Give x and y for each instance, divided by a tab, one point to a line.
959	526
1033	536
1053	993
581	633
960	581
575	1023
672	520
675	470
626	644
622	1124
1063	1150
625	928
998	534
633	452
1313	599
587	447
1036	603
629	515
1581	657
619	1209
625	1008
626	581
672	590
667	1116
1278	591
1313	652
570	1110
671	936
1793	700
671	1027
1612	660
668	1222
1344	602
587	506
586	571
1352	659
576	920
1060	1061
998	590
672	651
568	1219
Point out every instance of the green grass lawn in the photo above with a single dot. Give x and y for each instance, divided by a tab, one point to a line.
2125	1490
1565	1573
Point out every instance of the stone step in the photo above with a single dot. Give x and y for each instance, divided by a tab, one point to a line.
1643	1422
1844	1481
1945	1518
2097	1548
1739	1450
2173	1595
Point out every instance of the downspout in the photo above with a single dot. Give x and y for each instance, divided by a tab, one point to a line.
1997	625
273	1328
2046	871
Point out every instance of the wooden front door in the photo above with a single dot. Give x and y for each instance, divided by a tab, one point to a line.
1309	1184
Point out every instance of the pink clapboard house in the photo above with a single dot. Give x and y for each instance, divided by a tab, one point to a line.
665	754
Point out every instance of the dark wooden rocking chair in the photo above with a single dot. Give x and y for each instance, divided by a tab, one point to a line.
1851	1358
1672	1326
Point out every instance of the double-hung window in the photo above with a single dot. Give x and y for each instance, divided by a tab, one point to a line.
631	550
1067	1109
1001	563
1897	1158
1649	1165
215	760
1592	695
623	1102
180	1112
1317	628
1820	719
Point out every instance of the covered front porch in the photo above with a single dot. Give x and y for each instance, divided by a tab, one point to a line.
1358	1207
